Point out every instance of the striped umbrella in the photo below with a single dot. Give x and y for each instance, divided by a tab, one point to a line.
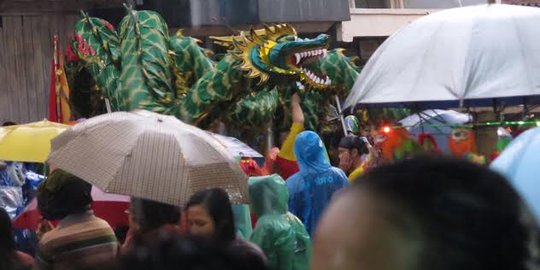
148	155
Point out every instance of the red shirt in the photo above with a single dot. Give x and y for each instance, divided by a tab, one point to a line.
285	168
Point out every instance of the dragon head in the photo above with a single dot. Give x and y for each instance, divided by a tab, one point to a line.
277	50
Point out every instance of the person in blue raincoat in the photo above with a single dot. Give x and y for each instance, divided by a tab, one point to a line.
311	189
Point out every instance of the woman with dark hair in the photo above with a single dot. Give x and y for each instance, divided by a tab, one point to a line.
209	215
428	214
10	258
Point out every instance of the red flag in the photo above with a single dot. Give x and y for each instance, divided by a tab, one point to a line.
53	106
59	109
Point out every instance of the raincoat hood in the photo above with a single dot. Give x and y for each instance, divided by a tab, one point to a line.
268	195
310	152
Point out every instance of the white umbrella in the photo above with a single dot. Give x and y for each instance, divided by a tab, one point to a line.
477	52
236	147
148	155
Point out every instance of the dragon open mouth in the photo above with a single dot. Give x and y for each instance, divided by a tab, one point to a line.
299	59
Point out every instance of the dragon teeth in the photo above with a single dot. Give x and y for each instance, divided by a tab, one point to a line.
297	55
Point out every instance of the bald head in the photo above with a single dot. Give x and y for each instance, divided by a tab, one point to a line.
357	232
427	214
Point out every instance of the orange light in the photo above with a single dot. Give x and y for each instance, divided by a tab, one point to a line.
386	129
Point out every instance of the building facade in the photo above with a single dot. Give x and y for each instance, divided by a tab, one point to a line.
530	3
372	21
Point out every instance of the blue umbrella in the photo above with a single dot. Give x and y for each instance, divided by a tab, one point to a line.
520	163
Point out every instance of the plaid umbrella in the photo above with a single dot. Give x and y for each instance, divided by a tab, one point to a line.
148	155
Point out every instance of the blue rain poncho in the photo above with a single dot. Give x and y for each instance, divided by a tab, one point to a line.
311	189
278	233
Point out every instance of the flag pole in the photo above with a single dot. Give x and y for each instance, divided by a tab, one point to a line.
340	112
56	82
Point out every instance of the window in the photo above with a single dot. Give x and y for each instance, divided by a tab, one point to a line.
440	3
531	3
370	3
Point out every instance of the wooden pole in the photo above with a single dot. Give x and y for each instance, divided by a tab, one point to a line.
338	106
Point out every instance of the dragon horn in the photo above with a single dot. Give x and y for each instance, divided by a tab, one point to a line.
180	32
255	37
128	8
268	28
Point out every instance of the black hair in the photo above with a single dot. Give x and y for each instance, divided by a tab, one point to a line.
216	202
151	215
467	216
8	123
7	242
63	194
169	251
354	142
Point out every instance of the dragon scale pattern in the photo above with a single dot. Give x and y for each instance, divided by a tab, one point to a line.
142	67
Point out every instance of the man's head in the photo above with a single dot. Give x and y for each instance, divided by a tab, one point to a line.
351	148
147	215
63	194
427	214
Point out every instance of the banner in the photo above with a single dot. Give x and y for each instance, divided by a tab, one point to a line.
59	110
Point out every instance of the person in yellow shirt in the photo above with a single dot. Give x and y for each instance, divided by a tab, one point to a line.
353	156
282	161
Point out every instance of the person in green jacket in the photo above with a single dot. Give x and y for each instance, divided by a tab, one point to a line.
279	233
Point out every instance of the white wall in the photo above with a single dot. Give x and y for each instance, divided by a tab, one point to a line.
440	3
377	22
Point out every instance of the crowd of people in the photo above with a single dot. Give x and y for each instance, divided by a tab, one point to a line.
429	213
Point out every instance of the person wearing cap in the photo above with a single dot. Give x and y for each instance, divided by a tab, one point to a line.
80	240
353	156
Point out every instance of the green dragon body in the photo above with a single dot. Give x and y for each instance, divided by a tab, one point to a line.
142	67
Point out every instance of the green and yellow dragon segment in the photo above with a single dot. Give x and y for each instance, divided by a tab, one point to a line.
145	76
254	110
96	44
190	62
142	67
213	92
339	68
